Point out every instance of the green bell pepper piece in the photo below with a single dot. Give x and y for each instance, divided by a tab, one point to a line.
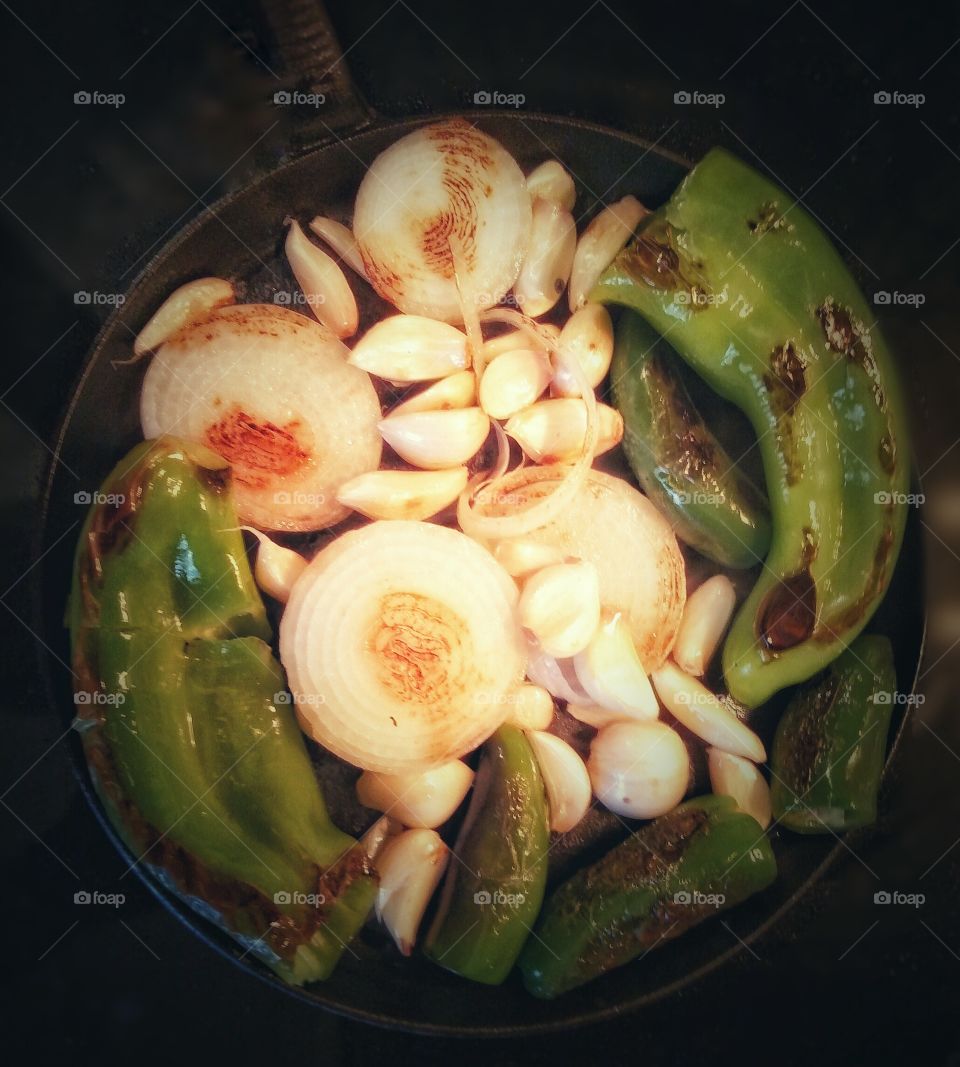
186	722
701	858
756	299
494	887
678	461
830	742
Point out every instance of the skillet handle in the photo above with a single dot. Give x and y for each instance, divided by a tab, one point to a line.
311	67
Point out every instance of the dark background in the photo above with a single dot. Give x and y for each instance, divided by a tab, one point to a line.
91	189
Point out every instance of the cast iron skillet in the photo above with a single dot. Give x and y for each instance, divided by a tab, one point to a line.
101	424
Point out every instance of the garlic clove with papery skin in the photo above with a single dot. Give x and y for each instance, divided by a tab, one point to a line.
410	870
411	348
546	267
417	798
706	614
553	431
340	238
435	440
734	776
639	769
611	672
560	606
324	285
182	306
552	181
588	336
277	567
457	391
599	245
565	779
403	494
514	381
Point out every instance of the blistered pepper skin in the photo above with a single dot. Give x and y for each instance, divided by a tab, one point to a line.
186	722
830	742
492	894
699	859
757	301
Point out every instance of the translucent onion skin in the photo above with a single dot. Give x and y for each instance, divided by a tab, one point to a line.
447	184
271	391
401	645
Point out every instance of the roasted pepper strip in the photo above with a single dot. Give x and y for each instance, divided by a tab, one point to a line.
495	885
678	461
829	747
185	720
673	873
756	299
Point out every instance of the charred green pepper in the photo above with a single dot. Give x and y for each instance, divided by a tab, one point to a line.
830	742
758	302
702	857
678	461
185	720
494	889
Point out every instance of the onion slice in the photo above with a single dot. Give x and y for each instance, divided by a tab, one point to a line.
445	184
270	391
401	642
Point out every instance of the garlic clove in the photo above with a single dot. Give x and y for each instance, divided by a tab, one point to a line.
340	238
403	494
546	266
560	606
554	675
706	615
417	798
734	776
277	567
434	440
599	245
565	779
183	306
595	716
531	707
457	391
587	335
376	837
411	348
553	431
514	381
323	283
551	181
520	558
639	769
694	706
410	869
611	672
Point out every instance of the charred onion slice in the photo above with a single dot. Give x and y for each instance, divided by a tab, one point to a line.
401	645
445	192
270	391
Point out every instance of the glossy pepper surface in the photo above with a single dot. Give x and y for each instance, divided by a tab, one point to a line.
751	293
830	742
682	868
678	461
186	723
494	887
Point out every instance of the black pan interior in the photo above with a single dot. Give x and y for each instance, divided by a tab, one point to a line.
241	238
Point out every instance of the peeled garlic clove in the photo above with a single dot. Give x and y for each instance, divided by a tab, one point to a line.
565	779
182	306
531	707
705	617
595	716
511	341
611	672
546	267
553	431
560	606
457	391
588	336
734	776
340	238
555	675
551	181
434	440
411	348
403	494
639	769
693	705
417	798
514	381
599	245
375	839
323	283
277	567
520	558
410	869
